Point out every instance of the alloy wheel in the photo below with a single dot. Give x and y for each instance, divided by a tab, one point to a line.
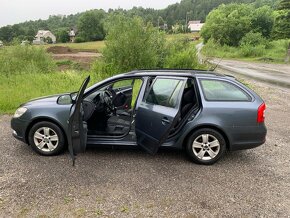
46	139
206	147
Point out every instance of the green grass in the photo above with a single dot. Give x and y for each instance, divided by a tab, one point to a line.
170	37
72	65
19	88
99	45
20	59
274	51
96	46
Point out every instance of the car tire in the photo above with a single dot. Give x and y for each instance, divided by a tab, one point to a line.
46	138
205	146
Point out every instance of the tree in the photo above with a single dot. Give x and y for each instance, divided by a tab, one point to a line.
132	44
62	35
282	20
48	40
6	34
90	25
262	21
228	24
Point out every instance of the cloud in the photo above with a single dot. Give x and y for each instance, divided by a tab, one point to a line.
16	11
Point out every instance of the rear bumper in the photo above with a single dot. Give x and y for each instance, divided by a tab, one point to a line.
250	137
245	146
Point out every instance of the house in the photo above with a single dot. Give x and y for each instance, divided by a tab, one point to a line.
44	36
195	25
1	44
72	35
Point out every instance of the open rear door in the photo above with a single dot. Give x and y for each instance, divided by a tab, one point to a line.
77	128
158	112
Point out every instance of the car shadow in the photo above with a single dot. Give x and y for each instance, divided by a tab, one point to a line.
165	155
169	154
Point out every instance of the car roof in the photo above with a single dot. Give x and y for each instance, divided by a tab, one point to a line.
174	72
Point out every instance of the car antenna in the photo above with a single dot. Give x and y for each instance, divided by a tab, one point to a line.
218	63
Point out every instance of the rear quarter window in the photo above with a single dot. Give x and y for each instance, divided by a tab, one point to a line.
218	90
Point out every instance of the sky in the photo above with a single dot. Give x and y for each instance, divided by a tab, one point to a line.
17	11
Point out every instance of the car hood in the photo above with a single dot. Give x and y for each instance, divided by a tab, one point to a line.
51	99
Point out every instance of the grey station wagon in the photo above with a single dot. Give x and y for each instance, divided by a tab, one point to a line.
202	112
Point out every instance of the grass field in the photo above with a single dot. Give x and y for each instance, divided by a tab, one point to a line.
97	46
275	51
180	35
18	89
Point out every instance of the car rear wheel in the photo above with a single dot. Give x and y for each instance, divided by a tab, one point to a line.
46	138
206	146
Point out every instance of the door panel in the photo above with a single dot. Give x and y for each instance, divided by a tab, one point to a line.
158	113
153	124
77	134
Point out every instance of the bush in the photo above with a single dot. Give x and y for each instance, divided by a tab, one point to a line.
253	39
248	50
214	49
25	59
103	69
253	45
79	39
181	54
132	44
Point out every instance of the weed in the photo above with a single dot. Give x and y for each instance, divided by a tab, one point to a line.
67	200
99	212
124	209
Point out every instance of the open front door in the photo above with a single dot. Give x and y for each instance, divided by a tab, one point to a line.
77	128
158	112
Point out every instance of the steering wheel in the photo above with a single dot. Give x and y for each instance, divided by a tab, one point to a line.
107	98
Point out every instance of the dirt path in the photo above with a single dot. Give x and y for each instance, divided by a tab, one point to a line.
130	183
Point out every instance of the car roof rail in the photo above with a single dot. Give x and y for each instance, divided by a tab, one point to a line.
229	75
171	69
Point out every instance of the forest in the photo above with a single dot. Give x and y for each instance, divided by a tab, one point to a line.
90	24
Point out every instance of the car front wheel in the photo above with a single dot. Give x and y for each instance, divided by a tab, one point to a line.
206	146
46	138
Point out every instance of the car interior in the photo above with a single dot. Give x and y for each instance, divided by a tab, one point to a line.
109	111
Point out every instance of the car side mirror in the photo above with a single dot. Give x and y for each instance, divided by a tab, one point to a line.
65	99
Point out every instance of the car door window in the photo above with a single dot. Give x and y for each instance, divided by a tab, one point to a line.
217	90
165	92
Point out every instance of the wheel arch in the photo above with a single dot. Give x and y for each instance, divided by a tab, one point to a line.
44	119
208	126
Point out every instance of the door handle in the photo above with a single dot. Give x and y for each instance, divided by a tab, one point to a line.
165	121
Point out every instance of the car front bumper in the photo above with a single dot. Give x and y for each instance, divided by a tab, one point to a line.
19	127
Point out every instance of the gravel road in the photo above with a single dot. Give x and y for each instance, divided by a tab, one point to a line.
278	74
130	183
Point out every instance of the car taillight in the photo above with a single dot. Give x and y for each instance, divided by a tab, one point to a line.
261	113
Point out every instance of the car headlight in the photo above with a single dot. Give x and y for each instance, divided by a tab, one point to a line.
19	112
